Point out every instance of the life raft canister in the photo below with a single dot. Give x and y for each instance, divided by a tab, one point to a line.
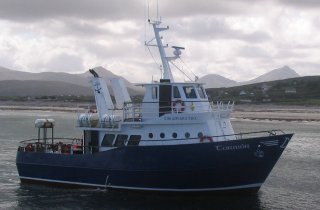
206	138
178	106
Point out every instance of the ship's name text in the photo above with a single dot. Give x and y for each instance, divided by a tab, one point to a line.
233	147
181	118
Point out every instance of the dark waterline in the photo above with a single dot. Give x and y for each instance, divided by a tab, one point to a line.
294	183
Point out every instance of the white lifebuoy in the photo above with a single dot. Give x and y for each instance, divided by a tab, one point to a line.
178	106
204	138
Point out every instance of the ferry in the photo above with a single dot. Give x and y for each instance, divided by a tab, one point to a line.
173	140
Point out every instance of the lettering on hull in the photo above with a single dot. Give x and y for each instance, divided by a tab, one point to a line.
181	118
232	147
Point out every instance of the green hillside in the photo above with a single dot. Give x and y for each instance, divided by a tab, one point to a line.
295	91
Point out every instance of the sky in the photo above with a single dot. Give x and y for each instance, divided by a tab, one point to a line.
238	39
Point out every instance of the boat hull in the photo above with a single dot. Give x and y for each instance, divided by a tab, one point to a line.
239	165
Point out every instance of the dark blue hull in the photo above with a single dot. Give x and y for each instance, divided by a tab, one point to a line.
217	166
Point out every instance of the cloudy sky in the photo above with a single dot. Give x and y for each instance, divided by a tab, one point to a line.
238	39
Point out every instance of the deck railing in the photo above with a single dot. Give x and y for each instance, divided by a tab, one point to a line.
76	146
144	111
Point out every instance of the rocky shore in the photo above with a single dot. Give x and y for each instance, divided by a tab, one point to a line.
242	111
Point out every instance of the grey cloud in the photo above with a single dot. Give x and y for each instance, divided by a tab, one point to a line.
217	28
185	8
34	10
308	68
282	53
116	49
65	63
87	29
257	36
78	28
312	4
253	52
316	22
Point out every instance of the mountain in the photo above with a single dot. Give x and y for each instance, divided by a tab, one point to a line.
74	79
51	83
277	74
8	74
293	91
216	81
107	75
41	88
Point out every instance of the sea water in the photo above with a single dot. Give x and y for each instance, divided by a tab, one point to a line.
294	183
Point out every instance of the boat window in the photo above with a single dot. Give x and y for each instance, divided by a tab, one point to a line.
134	140
107	140
162	135
154	92
176	93
174	135
187	135
201	92
189	92
150	135
120	140
200	135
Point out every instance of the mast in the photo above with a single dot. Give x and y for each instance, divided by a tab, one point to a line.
164	59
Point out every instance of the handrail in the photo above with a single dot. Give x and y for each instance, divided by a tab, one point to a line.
48	139
270	132
71	148
136	112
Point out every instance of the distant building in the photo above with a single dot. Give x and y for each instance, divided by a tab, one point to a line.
243	93
245	100
290	90
265	87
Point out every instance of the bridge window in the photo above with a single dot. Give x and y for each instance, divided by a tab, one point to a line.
189	92
134	140
120	140
201	92
176	93
107	140
154	92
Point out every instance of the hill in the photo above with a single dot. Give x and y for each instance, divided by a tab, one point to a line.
81	80
30	88
277	74
218	81
299	91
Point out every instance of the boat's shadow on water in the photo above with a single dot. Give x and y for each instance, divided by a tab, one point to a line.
39	197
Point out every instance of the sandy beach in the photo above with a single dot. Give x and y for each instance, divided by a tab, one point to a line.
241	111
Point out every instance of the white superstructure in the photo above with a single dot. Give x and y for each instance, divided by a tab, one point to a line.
170	112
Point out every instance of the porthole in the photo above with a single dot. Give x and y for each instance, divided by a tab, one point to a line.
200	135
162	135
174	135
187	135
150	135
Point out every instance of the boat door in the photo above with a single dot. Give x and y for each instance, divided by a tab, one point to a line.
91	141
164	99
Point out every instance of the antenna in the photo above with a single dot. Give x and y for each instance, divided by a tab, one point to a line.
148	10
157	10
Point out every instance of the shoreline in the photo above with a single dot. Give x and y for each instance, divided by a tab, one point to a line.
277	112
242	111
